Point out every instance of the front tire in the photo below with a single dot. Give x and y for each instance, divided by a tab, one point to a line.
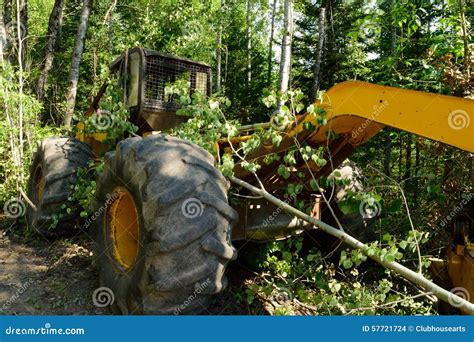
162	236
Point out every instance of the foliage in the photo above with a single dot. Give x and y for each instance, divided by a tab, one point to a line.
414	45
112	117
295	280
15	153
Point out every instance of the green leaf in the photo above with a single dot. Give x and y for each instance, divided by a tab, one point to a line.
347	264
403	244
283	171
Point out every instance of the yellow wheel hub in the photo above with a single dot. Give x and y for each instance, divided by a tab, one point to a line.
39	184
122	218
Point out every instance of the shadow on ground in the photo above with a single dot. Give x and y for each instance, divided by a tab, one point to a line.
41	277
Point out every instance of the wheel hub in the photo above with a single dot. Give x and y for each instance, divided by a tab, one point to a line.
39	184
122	218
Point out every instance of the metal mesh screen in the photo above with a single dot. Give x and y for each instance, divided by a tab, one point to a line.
161	71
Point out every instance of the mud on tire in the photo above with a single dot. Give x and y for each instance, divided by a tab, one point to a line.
185	222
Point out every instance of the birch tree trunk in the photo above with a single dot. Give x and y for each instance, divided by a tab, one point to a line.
20	7
467	63
393	45
7	14
270	43
7	19
3	39
219	50
53	29
393	28
249	45
76	61
108	18
319	54
285	61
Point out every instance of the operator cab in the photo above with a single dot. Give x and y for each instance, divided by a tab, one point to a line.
144	75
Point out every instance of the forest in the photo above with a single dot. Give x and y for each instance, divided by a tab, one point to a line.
270	60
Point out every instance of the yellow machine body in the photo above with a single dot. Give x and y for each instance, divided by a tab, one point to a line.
461	267
351	106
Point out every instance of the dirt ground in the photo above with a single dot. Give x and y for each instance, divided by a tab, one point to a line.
40	277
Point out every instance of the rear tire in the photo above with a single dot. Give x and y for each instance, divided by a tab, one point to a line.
182	244
52	173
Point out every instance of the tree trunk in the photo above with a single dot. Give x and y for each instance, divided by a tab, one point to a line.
270	43
20	8
319	53
76	61
400	157
285	62
53	29
249	45
393	28
219	51
108	18
7	14
465	37
3	39
393	45
408	163
23	4
6	30
219	59
387	153
417	168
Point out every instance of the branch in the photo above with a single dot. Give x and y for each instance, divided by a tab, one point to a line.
414	277
420	265
27	199
389	304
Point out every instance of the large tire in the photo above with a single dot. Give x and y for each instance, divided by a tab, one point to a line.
184	223
52	173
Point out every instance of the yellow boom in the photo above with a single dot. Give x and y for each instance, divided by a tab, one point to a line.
357	111
353	107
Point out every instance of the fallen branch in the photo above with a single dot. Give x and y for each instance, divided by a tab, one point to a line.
27	199
407	273
389	304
